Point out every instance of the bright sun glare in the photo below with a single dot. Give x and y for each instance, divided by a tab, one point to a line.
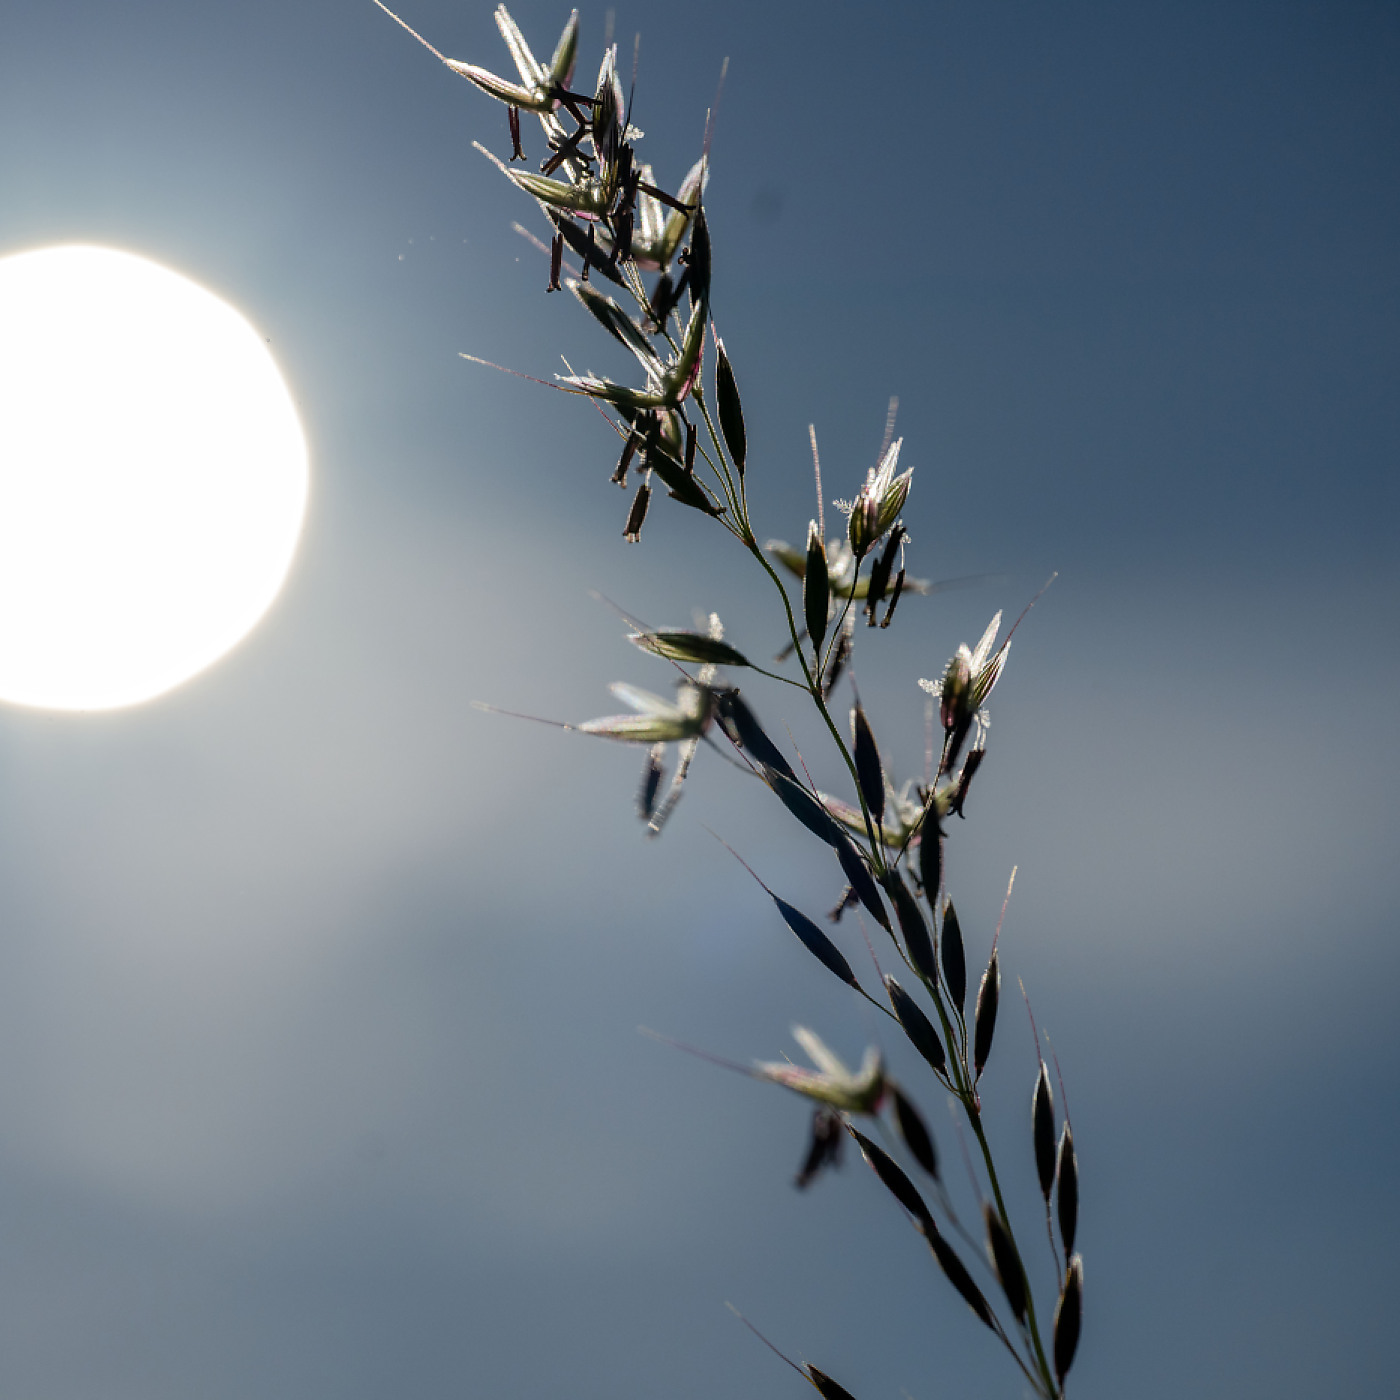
153	478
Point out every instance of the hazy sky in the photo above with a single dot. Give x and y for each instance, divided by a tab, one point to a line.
319	1072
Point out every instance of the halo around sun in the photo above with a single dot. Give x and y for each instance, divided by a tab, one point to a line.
153	478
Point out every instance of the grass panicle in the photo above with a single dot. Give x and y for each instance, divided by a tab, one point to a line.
641	270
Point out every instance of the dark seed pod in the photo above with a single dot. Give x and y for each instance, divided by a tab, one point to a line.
988	996
816	588
959	1277
817	943
896	1183
813	816
880	572
698	263
632	531
1043	1132
917	1026
868	768
827	1388
837	665
690	439
651	782
1067	1318
513	117
731	413
954	962
682	486
894	599
828	1138
931	857
1067	1190
1001	1248
862	881
912	925
878	581
743	728
969	771
914	1132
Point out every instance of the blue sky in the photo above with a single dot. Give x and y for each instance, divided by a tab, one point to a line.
319	1073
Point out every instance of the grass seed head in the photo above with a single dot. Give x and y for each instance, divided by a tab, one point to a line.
1043	1131
1067	1189
984	1026
1001	1250
917	1027
914	1131
1067	1318
954	960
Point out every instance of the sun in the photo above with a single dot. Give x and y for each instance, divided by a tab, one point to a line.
153	478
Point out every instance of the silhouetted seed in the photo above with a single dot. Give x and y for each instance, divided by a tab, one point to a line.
690	437
917	1026
827	1388
731	413
556	261
651	782
590	257
816	589
896	1183
1007	1263
914	1132
880	574
985	1024
837	664
931	857
875	588
954	963
912	925
632	532
739	722
1067	1318
622	235
513	116
698	260
969	771
817	943
680	486
868	768
849	899
1043	1132
858	873
894	598
828	1138
815	818
629	450
1067	1190
958	1276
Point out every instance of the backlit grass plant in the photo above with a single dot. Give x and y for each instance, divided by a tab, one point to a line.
637	259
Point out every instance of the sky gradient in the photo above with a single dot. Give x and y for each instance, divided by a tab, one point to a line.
319	990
